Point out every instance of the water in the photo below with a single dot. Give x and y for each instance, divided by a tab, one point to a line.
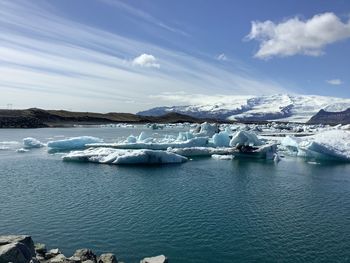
201	211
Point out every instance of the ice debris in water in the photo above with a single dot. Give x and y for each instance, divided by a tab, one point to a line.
222	157
30	143
73	143
122	156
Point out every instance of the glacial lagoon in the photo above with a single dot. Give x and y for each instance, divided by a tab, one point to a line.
203	210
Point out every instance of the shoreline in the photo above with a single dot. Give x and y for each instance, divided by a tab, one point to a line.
22	249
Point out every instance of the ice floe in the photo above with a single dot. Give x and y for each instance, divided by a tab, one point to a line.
73	143
222	157
29	143
122	156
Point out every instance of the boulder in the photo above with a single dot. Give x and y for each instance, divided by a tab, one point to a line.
15	252
24	239
85	254
60	258
52	253
40	248
107	258
157	259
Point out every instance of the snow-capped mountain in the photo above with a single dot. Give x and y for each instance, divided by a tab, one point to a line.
283	107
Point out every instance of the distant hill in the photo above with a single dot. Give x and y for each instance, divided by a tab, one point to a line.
332	118
38	118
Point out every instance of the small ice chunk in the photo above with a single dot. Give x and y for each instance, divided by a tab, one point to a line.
222	157
30	143
22	150
73	143
131	139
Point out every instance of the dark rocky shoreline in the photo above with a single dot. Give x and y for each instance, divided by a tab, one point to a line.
39	118
21	249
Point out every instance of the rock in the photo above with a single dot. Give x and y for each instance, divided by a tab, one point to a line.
74	259
88	261
34	260
24	239
85	254
157	259
107	258
15	252
58	259
52	253
40	248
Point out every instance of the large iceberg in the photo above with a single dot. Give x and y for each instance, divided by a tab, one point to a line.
194	142
221	139
328	145
245	138
73	143
325	145
30	143
120	156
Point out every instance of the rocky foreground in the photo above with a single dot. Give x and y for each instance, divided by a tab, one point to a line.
21	249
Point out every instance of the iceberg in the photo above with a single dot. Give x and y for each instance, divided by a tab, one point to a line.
122	156
194	142
241	138
327	145
201	151
206	129
221	139
30	143
73	143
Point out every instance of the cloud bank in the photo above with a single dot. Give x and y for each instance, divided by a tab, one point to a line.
295	36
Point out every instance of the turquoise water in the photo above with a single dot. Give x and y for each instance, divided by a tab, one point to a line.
201	211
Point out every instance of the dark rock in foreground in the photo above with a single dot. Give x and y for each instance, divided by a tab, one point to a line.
21	249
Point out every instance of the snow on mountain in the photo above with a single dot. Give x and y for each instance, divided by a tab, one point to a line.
283	107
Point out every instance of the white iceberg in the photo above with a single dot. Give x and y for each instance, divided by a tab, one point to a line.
195	142
221	139
206	129
327	145
119	156
73	143
201	151
30	143
245	138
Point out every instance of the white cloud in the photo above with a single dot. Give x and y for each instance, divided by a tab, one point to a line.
146	60
335	82
295	36
221	57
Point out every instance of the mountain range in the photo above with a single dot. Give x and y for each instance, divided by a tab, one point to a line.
279	107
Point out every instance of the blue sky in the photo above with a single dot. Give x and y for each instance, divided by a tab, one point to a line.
110	55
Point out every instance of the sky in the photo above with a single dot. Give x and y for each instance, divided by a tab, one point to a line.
127	56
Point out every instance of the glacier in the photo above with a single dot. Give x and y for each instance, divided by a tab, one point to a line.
282	107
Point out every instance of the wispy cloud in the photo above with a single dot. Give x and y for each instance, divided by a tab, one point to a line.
50	61
295	36
222	57
141	14
334	82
